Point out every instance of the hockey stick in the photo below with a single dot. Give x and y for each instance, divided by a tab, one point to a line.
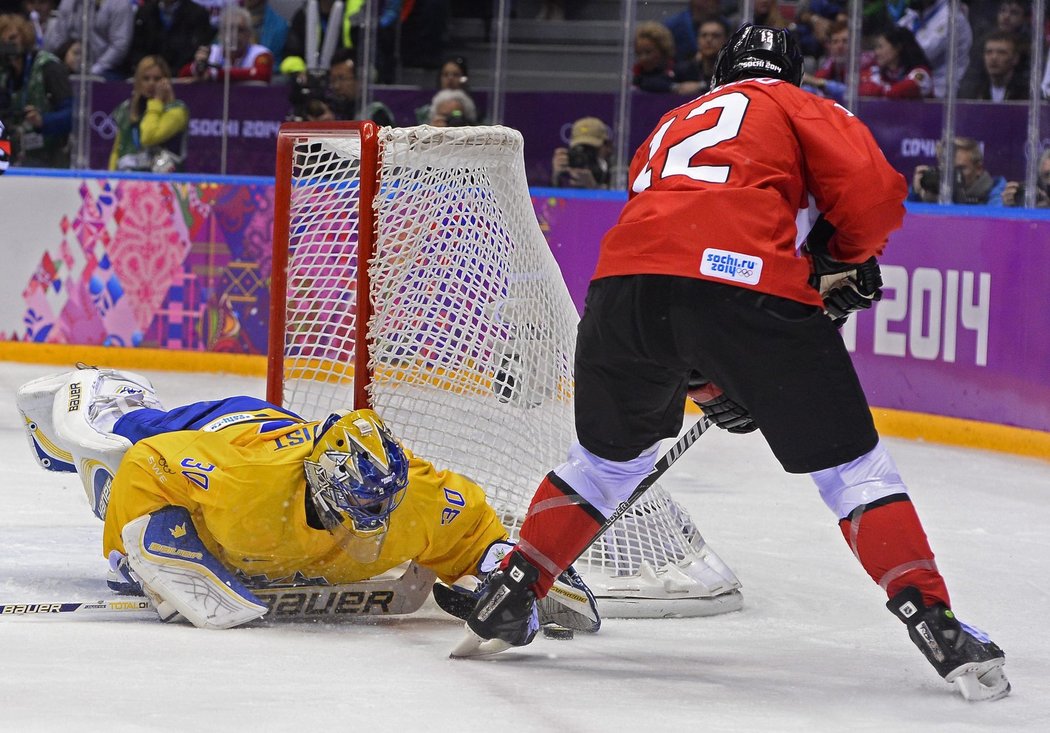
386	597
473	645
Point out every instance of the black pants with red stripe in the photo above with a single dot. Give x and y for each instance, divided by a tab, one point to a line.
643	336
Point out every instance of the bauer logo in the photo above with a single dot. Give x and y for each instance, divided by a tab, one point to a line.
731	266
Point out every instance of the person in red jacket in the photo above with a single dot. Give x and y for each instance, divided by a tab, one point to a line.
900	69
248	61
703	288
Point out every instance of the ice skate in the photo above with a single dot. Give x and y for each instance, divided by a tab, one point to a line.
960	653
505	614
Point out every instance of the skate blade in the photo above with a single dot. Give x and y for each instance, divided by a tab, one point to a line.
983	681
473	645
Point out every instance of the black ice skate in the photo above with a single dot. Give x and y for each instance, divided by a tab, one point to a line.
505	614
959	653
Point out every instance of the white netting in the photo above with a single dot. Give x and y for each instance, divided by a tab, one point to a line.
473	330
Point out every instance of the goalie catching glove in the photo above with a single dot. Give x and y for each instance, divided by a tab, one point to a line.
569	602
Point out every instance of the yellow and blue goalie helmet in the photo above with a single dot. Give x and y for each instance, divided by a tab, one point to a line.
357	473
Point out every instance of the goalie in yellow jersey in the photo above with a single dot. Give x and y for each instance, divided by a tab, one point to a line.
208	505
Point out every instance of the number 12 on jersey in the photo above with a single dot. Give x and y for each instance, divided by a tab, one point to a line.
680	156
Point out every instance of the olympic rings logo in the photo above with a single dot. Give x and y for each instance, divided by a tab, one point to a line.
104	125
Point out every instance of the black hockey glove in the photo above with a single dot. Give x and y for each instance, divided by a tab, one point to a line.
845	287
721	410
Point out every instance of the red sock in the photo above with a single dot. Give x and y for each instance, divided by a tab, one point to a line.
890	543
559	526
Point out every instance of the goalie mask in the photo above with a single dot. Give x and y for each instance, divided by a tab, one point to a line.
356	476
756	51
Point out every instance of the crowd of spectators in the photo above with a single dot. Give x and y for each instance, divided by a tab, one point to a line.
904	54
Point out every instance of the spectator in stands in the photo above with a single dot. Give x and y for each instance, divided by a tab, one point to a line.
110	39
271	30
586	162
973	184
551	10
694	77
1013	193
685	26
349	32
1000	77
767	12
928	20
40	14
653	58
453	74
341	93
899	69
151	126
452	108
829	80
36	100
71	54
172	29
812	24
249	61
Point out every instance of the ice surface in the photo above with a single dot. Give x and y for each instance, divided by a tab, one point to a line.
814	649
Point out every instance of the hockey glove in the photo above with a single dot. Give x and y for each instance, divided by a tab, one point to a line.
845	287
721	410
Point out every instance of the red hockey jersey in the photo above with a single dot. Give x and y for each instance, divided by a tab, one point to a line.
721	190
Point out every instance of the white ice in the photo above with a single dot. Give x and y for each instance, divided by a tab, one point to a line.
814	648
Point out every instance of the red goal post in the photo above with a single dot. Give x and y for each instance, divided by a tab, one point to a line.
410	275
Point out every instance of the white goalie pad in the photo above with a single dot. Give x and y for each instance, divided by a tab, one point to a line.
68	418
174	568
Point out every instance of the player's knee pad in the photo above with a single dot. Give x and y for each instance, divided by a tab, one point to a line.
176	569
861	481
603	483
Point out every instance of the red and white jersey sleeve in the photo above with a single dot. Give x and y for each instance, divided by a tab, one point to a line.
716	189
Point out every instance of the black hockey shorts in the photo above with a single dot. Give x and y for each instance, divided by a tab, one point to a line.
643	336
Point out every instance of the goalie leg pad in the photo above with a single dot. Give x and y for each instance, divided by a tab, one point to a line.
175	568
36	403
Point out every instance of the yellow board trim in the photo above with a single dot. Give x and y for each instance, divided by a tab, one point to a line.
895	423
116	357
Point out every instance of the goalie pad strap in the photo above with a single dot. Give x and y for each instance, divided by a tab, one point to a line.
173	564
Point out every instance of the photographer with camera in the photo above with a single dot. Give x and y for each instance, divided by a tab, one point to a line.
36	100
585	163
973	184
1013	194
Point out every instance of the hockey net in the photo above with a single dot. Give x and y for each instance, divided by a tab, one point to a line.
460	333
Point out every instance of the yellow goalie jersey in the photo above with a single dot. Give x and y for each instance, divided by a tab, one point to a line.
244	484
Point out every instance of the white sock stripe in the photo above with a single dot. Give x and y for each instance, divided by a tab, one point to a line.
891	575
539	558
554	502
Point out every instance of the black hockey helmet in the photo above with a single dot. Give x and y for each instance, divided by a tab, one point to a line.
759	51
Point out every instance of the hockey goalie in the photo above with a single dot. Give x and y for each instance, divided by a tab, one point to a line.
208	505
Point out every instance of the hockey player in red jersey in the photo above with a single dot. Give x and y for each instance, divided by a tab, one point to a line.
704	287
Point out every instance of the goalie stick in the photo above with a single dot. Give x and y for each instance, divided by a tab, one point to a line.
473	645
383	597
